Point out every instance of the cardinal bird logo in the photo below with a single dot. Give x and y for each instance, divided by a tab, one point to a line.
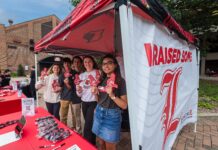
170	82
55	84
94	81
93	36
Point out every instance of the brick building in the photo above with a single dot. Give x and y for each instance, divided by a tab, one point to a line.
15	41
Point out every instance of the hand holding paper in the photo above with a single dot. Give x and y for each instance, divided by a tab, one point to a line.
79	89
67	73
110	83
94	90
77	80
44	73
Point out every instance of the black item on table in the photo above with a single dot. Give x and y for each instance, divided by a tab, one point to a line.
8	123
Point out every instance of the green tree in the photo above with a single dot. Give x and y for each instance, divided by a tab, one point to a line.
74	2
20	70
200	17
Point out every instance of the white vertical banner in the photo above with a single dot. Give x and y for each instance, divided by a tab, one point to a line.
128	66
162	81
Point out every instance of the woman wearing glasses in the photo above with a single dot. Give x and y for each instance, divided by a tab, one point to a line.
107	117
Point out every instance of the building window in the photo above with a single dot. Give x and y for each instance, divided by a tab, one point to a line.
46	28
12	46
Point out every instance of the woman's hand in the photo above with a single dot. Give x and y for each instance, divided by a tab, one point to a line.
66	81
57	89
94	90
109	91
79	89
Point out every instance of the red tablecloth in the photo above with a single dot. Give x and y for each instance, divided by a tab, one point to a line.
10	104
29	140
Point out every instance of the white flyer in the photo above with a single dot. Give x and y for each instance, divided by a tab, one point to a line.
74	147
8	138
14	86
28	107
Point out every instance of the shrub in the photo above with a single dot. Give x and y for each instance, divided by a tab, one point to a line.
14	74
20	71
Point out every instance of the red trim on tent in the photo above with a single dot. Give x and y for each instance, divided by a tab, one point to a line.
171	23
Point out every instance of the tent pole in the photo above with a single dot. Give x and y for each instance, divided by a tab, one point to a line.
195	127
36	77
198	64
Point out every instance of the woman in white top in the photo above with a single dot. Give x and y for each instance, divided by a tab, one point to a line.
88	98
51	90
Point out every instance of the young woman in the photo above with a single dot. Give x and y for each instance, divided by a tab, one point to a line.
107	117
52	90
88	98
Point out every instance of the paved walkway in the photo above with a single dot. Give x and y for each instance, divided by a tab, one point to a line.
206	137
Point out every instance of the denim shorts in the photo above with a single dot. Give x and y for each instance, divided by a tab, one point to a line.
107	124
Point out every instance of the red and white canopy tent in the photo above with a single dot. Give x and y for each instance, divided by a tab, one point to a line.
160	62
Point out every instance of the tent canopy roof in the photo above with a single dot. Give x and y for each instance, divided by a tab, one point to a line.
93	28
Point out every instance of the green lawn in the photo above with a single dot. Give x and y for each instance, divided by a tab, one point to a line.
208	94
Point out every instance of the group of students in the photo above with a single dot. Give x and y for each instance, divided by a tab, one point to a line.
71	87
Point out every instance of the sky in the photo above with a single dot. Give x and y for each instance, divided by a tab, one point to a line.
25	10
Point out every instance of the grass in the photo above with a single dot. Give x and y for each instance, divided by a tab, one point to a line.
205	104
208	94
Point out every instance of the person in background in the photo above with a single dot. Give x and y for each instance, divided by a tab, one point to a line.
51	90
6	77
67	91
33	82
88	99
107	118
1	75
76	101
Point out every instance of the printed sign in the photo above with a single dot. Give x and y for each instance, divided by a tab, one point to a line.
28	107
162	83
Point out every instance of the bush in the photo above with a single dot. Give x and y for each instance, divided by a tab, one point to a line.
20	71
206	105
14	74
208	89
